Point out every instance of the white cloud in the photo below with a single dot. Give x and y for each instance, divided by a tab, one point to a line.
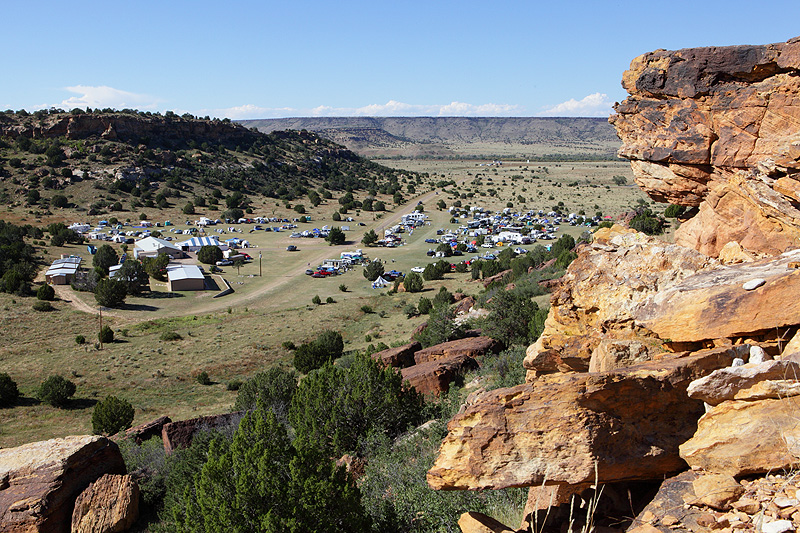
392	108
104	96
594	105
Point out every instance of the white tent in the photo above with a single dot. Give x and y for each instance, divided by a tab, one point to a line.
379	283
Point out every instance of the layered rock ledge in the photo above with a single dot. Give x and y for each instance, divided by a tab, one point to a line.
718	129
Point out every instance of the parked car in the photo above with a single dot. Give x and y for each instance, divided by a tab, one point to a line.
224	262
309	272
430	241
291	248
418	270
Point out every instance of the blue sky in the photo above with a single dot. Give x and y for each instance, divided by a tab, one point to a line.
251	59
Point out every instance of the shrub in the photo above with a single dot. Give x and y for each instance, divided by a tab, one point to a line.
312	355
289	345
42	305
673	211
105	335
338	407
203	379
46	292
171	336
234	385
316	300
410	311
330	300
56	391
274	388
343	287
209	255
80	339
366	309
9	394
413	282
424	305
111	416
373	270
105	257
110	292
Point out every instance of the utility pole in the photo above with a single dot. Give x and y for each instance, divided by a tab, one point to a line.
100	337
259	264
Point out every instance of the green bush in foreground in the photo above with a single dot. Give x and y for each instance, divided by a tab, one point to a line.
56	391
42	305
46	292
105	335
9	394
111	416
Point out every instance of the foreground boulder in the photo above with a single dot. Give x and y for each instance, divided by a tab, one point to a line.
40	481
628	422
109	505
715	128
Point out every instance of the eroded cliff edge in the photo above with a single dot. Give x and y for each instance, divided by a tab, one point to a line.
718	129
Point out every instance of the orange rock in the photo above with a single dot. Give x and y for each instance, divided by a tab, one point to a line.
471	522
629	421
716	128
108	505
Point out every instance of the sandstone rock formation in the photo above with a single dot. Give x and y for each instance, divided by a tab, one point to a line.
628	422
716	129
109	505
434	377
180	434
469	346
40	481
399	357
145	431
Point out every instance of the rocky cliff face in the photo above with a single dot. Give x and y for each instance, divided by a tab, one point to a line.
656	356
717	129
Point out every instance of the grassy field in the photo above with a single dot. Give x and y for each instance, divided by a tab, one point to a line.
235	336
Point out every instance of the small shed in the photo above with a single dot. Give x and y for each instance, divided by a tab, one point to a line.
63	270
185	278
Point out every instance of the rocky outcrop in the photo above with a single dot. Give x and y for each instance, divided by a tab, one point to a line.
434	377
146	431
716	129
399	357
109	505
180	434
470	347
40	481
480	523
628	423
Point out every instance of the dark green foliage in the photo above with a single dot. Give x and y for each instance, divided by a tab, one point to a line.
510	313
56	391
343	287
536	325
646	222
168	336
441	327
46	292
367	309
316	300
80	339
336	236
156	267
59	201
443	297
259	482
330	300
565	258
336	408
148	462
410	311
132	273
209	254
424	305
42	305
105	335
311	355
273	388
188	209
373	270
674	211
564	243
369	238
9	394
17	259
110	293
111	416
105	257
413	282
203	379
398	499
505	370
